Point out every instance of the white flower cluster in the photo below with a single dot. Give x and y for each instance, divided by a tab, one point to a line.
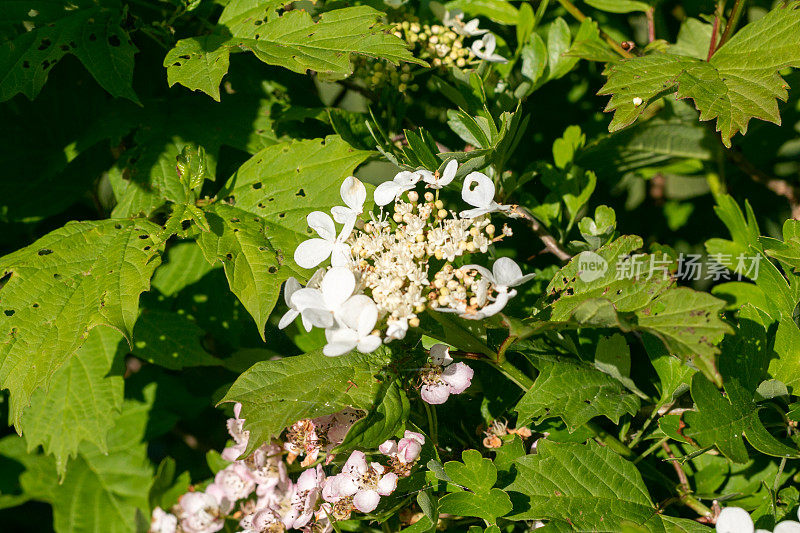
258	493
737	520
380	266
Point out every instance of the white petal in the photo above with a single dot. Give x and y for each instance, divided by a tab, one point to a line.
308	299
366	500
342	214
367	318
449	173
320	318
289	288
312	252
406	179
340	255
340	341
458	376
322	223
473	213
484	272
388	448
344	485
350	312
427	176
387	484
734	520
337	286
386	193
440	354
478	190
369	344
787	526
354	194
288	318
506	272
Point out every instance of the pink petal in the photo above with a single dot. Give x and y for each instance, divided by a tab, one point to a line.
419	437
387	484
458	376
388	448
356	463
435	394
408	450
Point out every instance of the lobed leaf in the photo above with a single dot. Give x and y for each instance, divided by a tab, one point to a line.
83	275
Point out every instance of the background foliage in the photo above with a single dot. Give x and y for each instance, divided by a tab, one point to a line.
159	158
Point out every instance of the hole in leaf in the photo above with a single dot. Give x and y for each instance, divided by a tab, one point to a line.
186	224
44	251
144	236
45	44
229	256
234	220
35	305
282	215
117	226
272	270
257	185
301	193
9	312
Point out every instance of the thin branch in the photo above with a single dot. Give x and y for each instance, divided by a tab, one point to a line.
550	242
651	24
733	21
776	185
684	490
712	45
578	14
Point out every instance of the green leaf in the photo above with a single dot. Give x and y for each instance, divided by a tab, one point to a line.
282	184
740	82
498	10
253	267
382	423
199	63
576	392
82	402
276	394
91	33
170	340
57	289
477	474
293	40
722	422
586	487
618	6
613	357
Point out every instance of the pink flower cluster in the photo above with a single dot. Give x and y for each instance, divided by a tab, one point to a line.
442	377
257	491
359	485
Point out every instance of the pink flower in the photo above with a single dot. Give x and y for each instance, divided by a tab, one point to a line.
267	467
236	482
163	522
239	435
200	513
410	446
407	450
365	483
442	377
306	493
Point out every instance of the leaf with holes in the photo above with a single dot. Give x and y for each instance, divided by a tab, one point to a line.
292	40
276	394
82	402
282	184
57	289
575	392
90	32
739	83
253	267
587	487
723	422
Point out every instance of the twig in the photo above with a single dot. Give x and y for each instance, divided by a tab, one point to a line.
651	24
684	490
776	185
733	21
712	45
363	91
550	243
578	14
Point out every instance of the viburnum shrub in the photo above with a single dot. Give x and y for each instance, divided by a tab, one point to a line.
382	266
